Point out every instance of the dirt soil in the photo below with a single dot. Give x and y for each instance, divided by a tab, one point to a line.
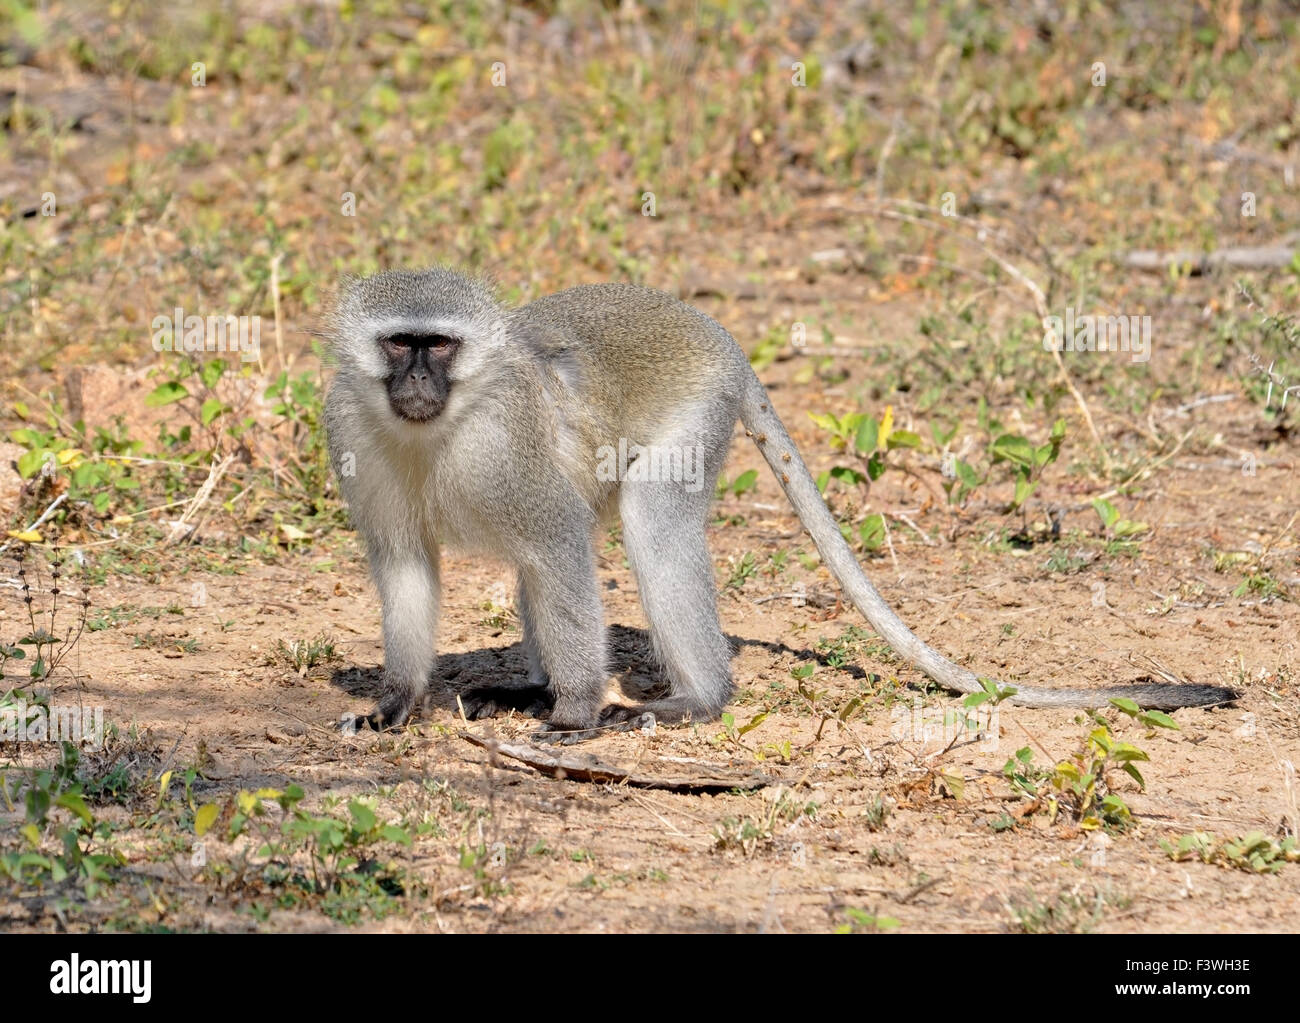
865	818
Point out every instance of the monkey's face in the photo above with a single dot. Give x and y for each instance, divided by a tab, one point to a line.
418	379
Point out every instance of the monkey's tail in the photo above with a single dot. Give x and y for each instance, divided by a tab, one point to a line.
769	433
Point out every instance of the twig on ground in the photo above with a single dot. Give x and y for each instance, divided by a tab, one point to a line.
585	767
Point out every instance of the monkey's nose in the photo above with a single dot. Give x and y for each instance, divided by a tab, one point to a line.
419	378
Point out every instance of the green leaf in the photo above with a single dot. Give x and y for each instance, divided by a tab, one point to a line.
212	372
867	436
30	462
904	439
165	394
847	476
1127	527
872	531
1023	489
395	834
1128	706
1116	806
362	815
1105	511
28	438
1125	751
72	801
745	481
210	410
942	436
1014	448
1158	719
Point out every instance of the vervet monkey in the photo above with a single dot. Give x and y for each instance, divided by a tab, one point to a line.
453	420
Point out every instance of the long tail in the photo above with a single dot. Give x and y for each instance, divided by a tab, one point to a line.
778	449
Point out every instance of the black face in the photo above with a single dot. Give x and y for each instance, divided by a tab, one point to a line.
417	373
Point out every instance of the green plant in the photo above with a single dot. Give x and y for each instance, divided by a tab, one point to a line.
1254	852
854	645
306	858
53	459
743	483
1067	913
61	839
304	654
191	385
1026	460
859	921
1079	785
299	402
51	636
732	734
743	834
871	441
742	570
865	437
1117	527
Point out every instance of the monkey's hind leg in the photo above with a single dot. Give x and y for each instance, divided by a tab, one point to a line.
664	536
534	698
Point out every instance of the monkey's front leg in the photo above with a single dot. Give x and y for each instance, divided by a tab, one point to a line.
566	631
409	590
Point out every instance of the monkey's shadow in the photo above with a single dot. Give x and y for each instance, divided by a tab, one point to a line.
630	661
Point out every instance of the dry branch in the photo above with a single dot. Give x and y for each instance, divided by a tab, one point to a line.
585	767
1245	257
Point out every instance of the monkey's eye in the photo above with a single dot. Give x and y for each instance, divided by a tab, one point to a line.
400	346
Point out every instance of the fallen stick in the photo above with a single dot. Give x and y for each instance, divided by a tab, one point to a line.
585	767
1249	257
181	527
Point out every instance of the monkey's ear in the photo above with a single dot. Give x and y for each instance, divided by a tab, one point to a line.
327	325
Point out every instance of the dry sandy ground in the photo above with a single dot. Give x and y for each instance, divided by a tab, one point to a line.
856	820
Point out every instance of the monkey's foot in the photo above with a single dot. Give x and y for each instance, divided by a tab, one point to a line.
672	710
491	701
351	724
392	712
636	720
